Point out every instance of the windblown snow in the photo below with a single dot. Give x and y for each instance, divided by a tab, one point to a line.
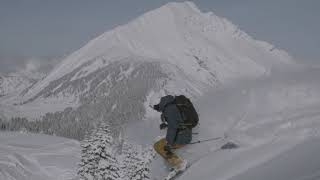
246	91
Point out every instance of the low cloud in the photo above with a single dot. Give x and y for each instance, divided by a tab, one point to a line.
14	64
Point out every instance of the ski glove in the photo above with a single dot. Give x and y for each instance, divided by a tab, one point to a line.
156	107
163	126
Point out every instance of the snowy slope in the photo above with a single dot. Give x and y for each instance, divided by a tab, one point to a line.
282	160
299	163
15	83
249	93
12	87
194	51
274	120
37	157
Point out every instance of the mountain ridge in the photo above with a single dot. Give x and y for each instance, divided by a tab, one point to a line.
178	33
175	49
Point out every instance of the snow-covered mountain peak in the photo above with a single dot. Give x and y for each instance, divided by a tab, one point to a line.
190	50
182	35
184	8
152	34
186	5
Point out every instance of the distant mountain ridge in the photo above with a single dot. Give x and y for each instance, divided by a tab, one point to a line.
175	49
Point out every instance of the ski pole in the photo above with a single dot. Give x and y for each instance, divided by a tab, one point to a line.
201	141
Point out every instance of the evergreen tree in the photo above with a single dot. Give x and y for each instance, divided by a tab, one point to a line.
136	162
101	159
98	160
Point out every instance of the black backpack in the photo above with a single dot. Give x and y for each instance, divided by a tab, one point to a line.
187	111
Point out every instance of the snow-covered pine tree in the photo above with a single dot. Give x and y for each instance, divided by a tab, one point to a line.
135	162
98	160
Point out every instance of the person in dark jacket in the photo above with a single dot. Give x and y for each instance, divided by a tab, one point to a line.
171	117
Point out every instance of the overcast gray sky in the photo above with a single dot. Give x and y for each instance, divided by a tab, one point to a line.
43	29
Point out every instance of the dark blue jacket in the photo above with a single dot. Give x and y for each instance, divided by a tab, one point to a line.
173	117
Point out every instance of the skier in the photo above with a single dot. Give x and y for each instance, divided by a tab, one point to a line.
179	117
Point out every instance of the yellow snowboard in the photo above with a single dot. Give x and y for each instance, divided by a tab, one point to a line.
173	159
